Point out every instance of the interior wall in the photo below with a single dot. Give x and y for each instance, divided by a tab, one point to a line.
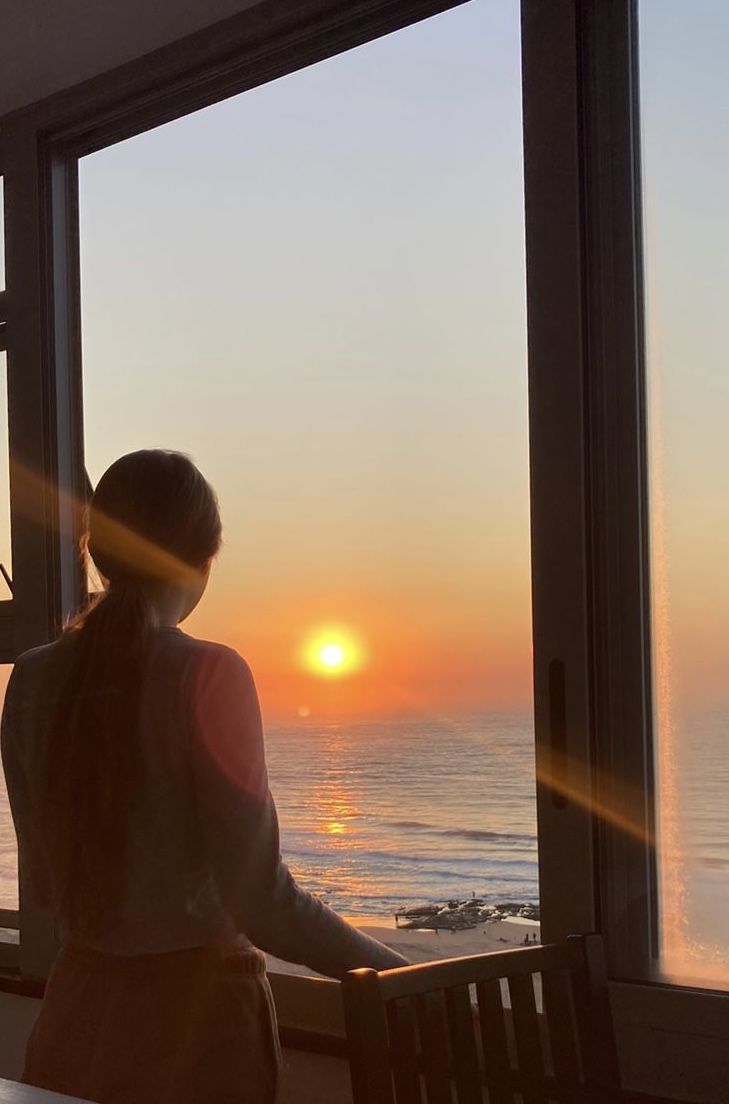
676	1046
46	47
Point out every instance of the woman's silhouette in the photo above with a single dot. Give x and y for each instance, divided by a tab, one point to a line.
136	772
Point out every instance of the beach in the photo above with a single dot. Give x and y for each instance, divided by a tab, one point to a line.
425	945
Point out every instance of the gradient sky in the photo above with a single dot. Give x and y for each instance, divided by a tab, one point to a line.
317	290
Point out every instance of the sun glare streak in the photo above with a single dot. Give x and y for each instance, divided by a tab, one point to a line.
129	547
574	780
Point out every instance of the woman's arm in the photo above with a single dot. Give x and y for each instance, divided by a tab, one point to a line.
240	828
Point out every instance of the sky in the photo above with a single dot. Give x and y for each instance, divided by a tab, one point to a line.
317	290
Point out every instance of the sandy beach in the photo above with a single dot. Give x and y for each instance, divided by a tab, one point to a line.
423	945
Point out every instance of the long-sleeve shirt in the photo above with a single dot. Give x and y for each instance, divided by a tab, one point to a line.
203	863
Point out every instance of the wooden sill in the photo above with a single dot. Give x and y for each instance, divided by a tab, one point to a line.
311	1004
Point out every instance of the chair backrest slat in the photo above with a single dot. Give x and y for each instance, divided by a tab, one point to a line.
416	1037
528	1042
557	994
434	1046
497	1065
404	1052
594	1018
466	1073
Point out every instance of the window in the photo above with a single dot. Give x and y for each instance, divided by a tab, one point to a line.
8	851
326	277
5	546
6	552
8	848
9	923
685	102
5	556
592	665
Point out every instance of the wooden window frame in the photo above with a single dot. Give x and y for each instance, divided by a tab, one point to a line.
588	476
6	605
590	547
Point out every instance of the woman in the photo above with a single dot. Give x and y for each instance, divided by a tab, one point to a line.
135	766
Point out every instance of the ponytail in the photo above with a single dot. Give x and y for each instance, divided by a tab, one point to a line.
93	758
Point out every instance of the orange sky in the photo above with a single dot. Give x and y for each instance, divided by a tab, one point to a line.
423	654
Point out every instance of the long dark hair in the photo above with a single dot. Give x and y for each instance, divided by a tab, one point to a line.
153	520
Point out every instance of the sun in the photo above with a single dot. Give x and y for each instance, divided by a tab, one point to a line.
333	655
332	652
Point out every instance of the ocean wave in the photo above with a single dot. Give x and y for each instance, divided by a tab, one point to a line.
714	862
484	834
386	859
410	824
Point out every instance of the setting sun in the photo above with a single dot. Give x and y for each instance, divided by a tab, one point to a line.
332	653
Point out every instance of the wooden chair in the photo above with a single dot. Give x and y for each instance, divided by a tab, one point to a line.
416	1036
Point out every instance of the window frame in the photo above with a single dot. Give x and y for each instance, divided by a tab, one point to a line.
6	605
590	576
45	521
591	599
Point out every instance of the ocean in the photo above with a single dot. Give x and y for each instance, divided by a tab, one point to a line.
381	815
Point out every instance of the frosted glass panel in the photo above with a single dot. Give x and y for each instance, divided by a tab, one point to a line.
685	113
8	845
